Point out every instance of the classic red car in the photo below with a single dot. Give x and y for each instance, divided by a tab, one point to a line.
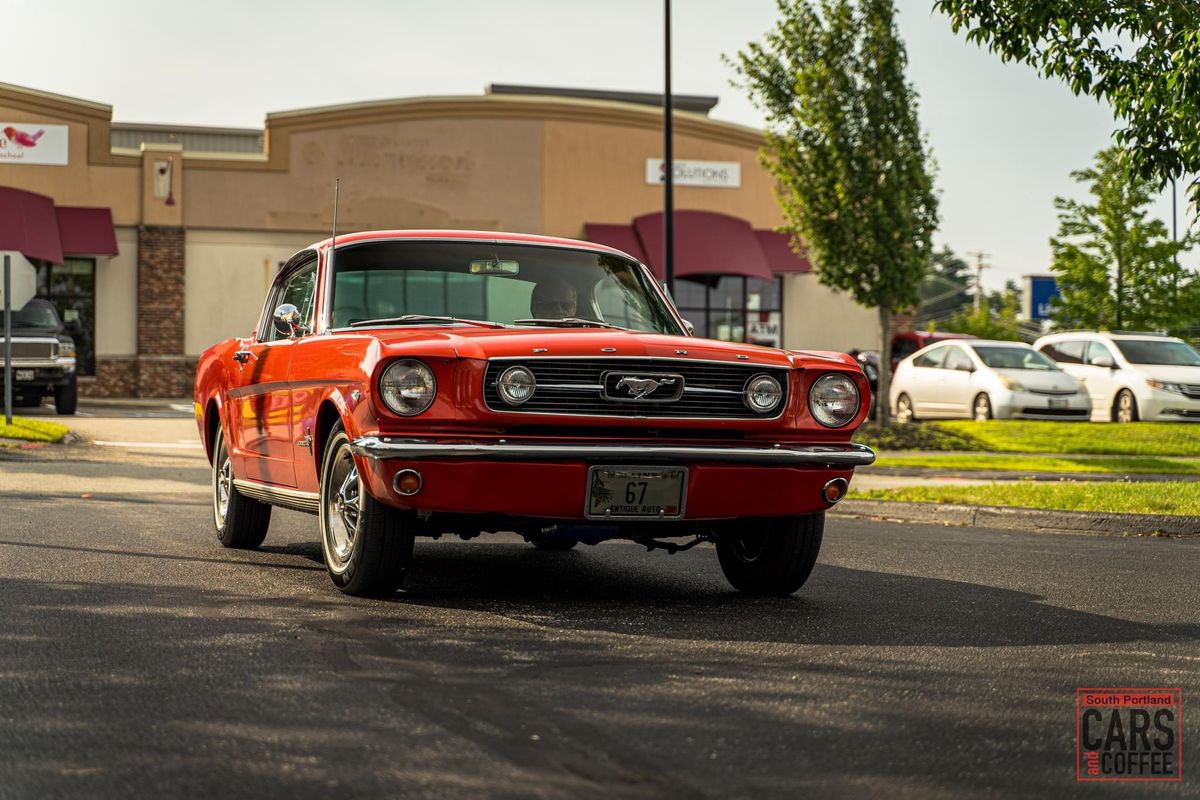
422	383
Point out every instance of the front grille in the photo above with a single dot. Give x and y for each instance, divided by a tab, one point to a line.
1056	412
29	350
1054	392
583	387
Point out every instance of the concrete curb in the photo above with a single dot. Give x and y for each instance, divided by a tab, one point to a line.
1026	519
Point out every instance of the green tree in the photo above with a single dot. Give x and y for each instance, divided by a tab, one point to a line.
944	291
998	318
1142	56
845	146
1117	267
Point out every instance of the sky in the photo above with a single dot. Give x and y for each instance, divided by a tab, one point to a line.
1004	139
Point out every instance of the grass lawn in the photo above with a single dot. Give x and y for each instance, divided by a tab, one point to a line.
32	430
1136	439
1131	498
1120	465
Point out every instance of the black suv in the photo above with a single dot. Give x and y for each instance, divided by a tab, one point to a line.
43	353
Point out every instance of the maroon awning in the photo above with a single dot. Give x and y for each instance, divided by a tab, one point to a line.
86	231
779	254
706	243
620	237
29	225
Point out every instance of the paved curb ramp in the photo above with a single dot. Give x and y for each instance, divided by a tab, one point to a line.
1029	519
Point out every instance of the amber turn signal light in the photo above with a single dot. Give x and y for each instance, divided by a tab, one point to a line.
835	490
407	482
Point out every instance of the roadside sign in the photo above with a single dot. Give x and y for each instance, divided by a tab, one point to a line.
1038	297
22	280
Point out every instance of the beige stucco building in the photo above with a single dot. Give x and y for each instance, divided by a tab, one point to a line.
202	218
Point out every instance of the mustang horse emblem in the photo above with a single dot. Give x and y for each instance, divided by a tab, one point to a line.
643	387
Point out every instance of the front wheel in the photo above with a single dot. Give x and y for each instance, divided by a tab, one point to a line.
982	409
904	410
66	398
1125	408
367	546
771	556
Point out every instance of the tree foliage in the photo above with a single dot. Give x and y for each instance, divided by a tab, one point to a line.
944	291
1116	266
1142	56
845	147
998	318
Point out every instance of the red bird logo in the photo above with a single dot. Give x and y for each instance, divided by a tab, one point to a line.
21	138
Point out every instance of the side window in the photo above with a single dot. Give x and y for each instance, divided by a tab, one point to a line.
300	290
904	347
1065	352
957	359
1098	349
933	358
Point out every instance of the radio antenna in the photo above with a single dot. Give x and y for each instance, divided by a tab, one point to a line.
333	238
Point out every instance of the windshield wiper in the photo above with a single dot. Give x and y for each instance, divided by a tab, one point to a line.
569	322
421	319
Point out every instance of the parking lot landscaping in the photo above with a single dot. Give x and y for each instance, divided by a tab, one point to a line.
1060	438
1083	464
24	429
1175	498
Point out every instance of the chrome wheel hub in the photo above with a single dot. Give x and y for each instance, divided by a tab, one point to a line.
224	486
341	509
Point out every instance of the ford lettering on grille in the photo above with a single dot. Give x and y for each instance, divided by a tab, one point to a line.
626	387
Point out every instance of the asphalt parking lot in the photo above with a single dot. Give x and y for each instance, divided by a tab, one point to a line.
141	659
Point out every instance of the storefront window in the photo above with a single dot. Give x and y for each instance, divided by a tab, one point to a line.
71	287
734	309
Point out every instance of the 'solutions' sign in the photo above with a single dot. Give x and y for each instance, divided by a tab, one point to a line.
717	174
33	143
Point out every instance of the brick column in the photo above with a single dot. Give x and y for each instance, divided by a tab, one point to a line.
163	370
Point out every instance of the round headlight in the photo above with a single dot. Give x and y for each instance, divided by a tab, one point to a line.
763	393
516	385
408	387
833	400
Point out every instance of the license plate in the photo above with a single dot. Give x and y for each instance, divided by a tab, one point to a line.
23	374
636	492
1058	402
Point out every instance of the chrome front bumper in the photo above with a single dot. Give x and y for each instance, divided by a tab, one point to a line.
845	456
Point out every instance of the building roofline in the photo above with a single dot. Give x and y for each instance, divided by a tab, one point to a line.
157	127
40	97
696	103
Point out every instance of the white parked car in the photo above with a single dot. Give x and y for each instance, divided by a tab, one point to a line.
1131	376
983	379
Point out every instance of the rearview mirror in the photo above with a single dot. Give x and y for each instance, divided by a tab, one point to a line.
287	321
494	266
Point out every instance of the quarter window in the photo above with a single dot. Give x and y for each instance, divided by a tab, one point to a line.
933	358
1098	350
957	359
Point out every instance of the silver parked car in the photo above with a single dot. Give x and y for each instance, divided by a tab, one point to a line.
983	379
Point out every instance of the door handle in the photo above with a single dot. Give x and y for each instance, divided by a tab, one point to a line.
242	356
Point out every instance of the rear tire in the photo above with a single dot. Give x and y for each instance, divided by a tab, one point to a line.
1125	407
242	522
367	546
904	410
771	556
66	398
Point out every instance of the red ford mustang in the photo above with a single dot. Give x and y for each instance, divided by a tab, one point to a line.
421	383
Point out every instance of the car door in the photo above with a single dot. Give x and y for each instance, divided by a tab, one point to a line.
955	393
260	400
922	384
1101	380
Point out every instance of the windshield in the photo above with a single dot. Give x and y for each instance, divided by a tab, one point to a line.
1000	357
508	284
1166	353
34	314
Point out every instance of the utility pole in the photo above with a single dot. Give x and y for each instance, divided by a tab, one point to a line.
668	161
980	266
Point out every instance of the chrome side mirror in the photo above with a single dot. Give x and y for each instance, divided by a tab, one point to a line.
288	322
1103	361
689	327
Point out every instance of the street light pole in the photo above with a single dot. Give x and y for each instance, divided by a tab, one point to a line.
668	162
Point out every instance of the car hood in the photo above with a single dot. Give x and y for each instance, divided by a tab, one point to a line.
1168	374
31	333
1046	381
485	343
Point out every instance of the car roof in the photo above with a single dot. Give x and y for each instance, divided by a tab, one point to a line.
488	237
1107	336
997	343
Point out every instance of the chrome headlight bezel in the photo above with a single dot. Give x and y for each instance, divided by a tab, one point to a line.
420	395
762	380
820	413
505	382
